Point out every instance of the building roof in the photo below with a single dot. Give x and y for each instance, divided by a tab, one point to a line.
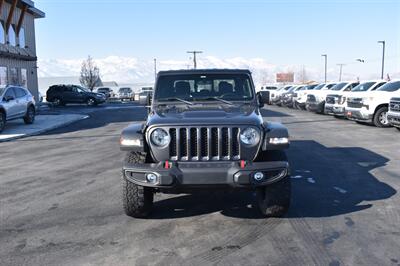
31	8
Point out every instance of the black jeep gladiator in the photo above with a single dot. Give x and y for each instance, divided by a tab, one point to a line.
204	130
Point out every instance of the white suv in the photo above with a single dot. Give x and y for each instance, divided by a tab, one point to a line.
16	102
335	100
372	106
393	115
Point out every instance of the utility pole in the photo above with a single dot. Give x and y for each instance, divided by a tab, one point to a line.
383	57
194	57
340	72
326	65
155	69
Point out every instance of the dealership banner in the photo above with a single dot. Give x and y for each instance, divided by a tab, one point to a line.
284	77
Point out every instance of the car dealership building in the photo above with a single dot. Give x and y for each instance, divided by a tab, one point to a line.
18	61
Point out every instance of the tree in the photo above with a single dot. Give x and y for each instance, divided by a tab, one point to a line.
90	74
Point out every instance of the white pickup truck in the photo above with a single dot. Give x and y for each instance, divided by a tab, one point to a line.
276	95
336	99
316	98
372	106
300	97
393	115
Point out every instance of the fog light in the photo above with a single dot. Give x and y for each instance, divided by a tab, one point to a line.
151	178
258	176
277	141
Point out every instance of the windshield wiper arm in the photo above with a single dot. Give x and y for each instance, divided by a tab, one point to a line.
175	99
216	98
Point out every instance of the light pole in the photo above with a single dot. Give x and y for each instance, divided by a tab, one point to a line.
326	65
340	72
194	57
155	69
383	57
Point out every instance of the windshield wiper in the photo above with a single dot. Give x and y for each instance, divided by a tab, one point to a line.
215	98
175	99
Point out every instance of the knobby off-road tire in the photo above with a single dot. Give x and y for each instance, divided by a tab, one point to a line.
274	200
380	119
137	200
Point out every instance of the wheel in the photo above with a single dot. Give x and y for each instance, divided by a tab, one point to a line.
29	117
91	102
274	200
58	102
380	119
137	200
2	121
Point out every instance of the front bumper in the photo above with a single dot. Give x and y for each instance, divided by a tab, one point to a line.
334	109
192	174
316	107
394	118
358	114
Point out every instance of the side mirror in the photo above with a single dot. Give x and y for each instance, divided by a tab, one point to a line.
9	98
263	98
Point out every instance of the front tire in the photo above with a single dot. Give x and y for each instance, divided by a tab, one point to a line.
29	117
274	200
91	102
380	119
2	121
137	200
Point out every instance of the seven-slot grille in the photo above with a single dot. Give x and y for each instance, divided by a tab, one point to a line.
204	143
395	105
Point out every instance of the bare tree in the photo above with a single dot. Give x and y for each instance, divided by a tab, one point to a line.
90	74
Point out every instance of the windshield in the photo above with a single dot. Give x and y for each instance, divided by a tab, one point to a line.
2	90
125	90
320	86
363	86
103	89
339	86
192	87
392	86
82	89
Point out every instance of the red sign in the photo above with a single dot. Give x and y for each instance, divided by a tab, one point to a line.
285	77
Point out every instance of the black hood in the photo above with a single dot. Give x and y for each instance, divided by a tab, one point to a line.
205	115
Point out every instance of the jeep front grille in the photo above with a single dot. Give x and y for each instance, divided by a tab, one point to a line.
204	144
395	105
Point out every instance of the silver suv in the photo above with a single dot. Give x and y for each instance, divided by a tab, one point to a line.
16	102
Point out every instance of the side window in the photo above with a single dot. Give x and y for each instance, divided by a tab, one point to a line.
379	85
2	32
9	93
330	86
12	40
68	89
19	93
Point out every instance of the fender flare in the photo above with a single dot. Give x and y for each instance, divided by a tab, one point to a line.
132	138
274	130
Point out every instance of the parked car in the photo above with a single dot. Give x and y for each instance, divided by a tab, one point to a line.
271	89
300	97
336	103
393	115
287	97
146	95
61	95
15	103
335	100
316	98
188	142
372	106
125	93
276	95
109	93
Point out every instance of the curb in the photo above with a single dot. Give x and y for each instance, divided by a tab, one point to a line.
44	130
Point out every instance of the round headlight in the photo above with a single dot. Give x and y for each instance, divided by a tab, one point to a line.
250	136
160	137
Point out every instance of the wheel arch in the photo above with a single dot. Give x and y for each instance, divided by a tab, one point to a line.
380	106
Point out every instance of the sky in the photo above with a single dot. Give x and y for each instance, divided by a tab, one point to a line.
281	33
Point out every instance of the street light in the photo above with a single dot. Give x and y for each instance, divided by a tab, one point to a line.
155	69
326	65
340	73
383	57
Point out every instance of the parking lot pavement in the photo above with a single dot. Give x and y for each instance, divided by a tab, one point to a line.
18	129
60	202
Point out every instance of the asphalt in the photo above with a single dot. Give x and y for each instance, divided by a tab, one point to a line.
60	201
